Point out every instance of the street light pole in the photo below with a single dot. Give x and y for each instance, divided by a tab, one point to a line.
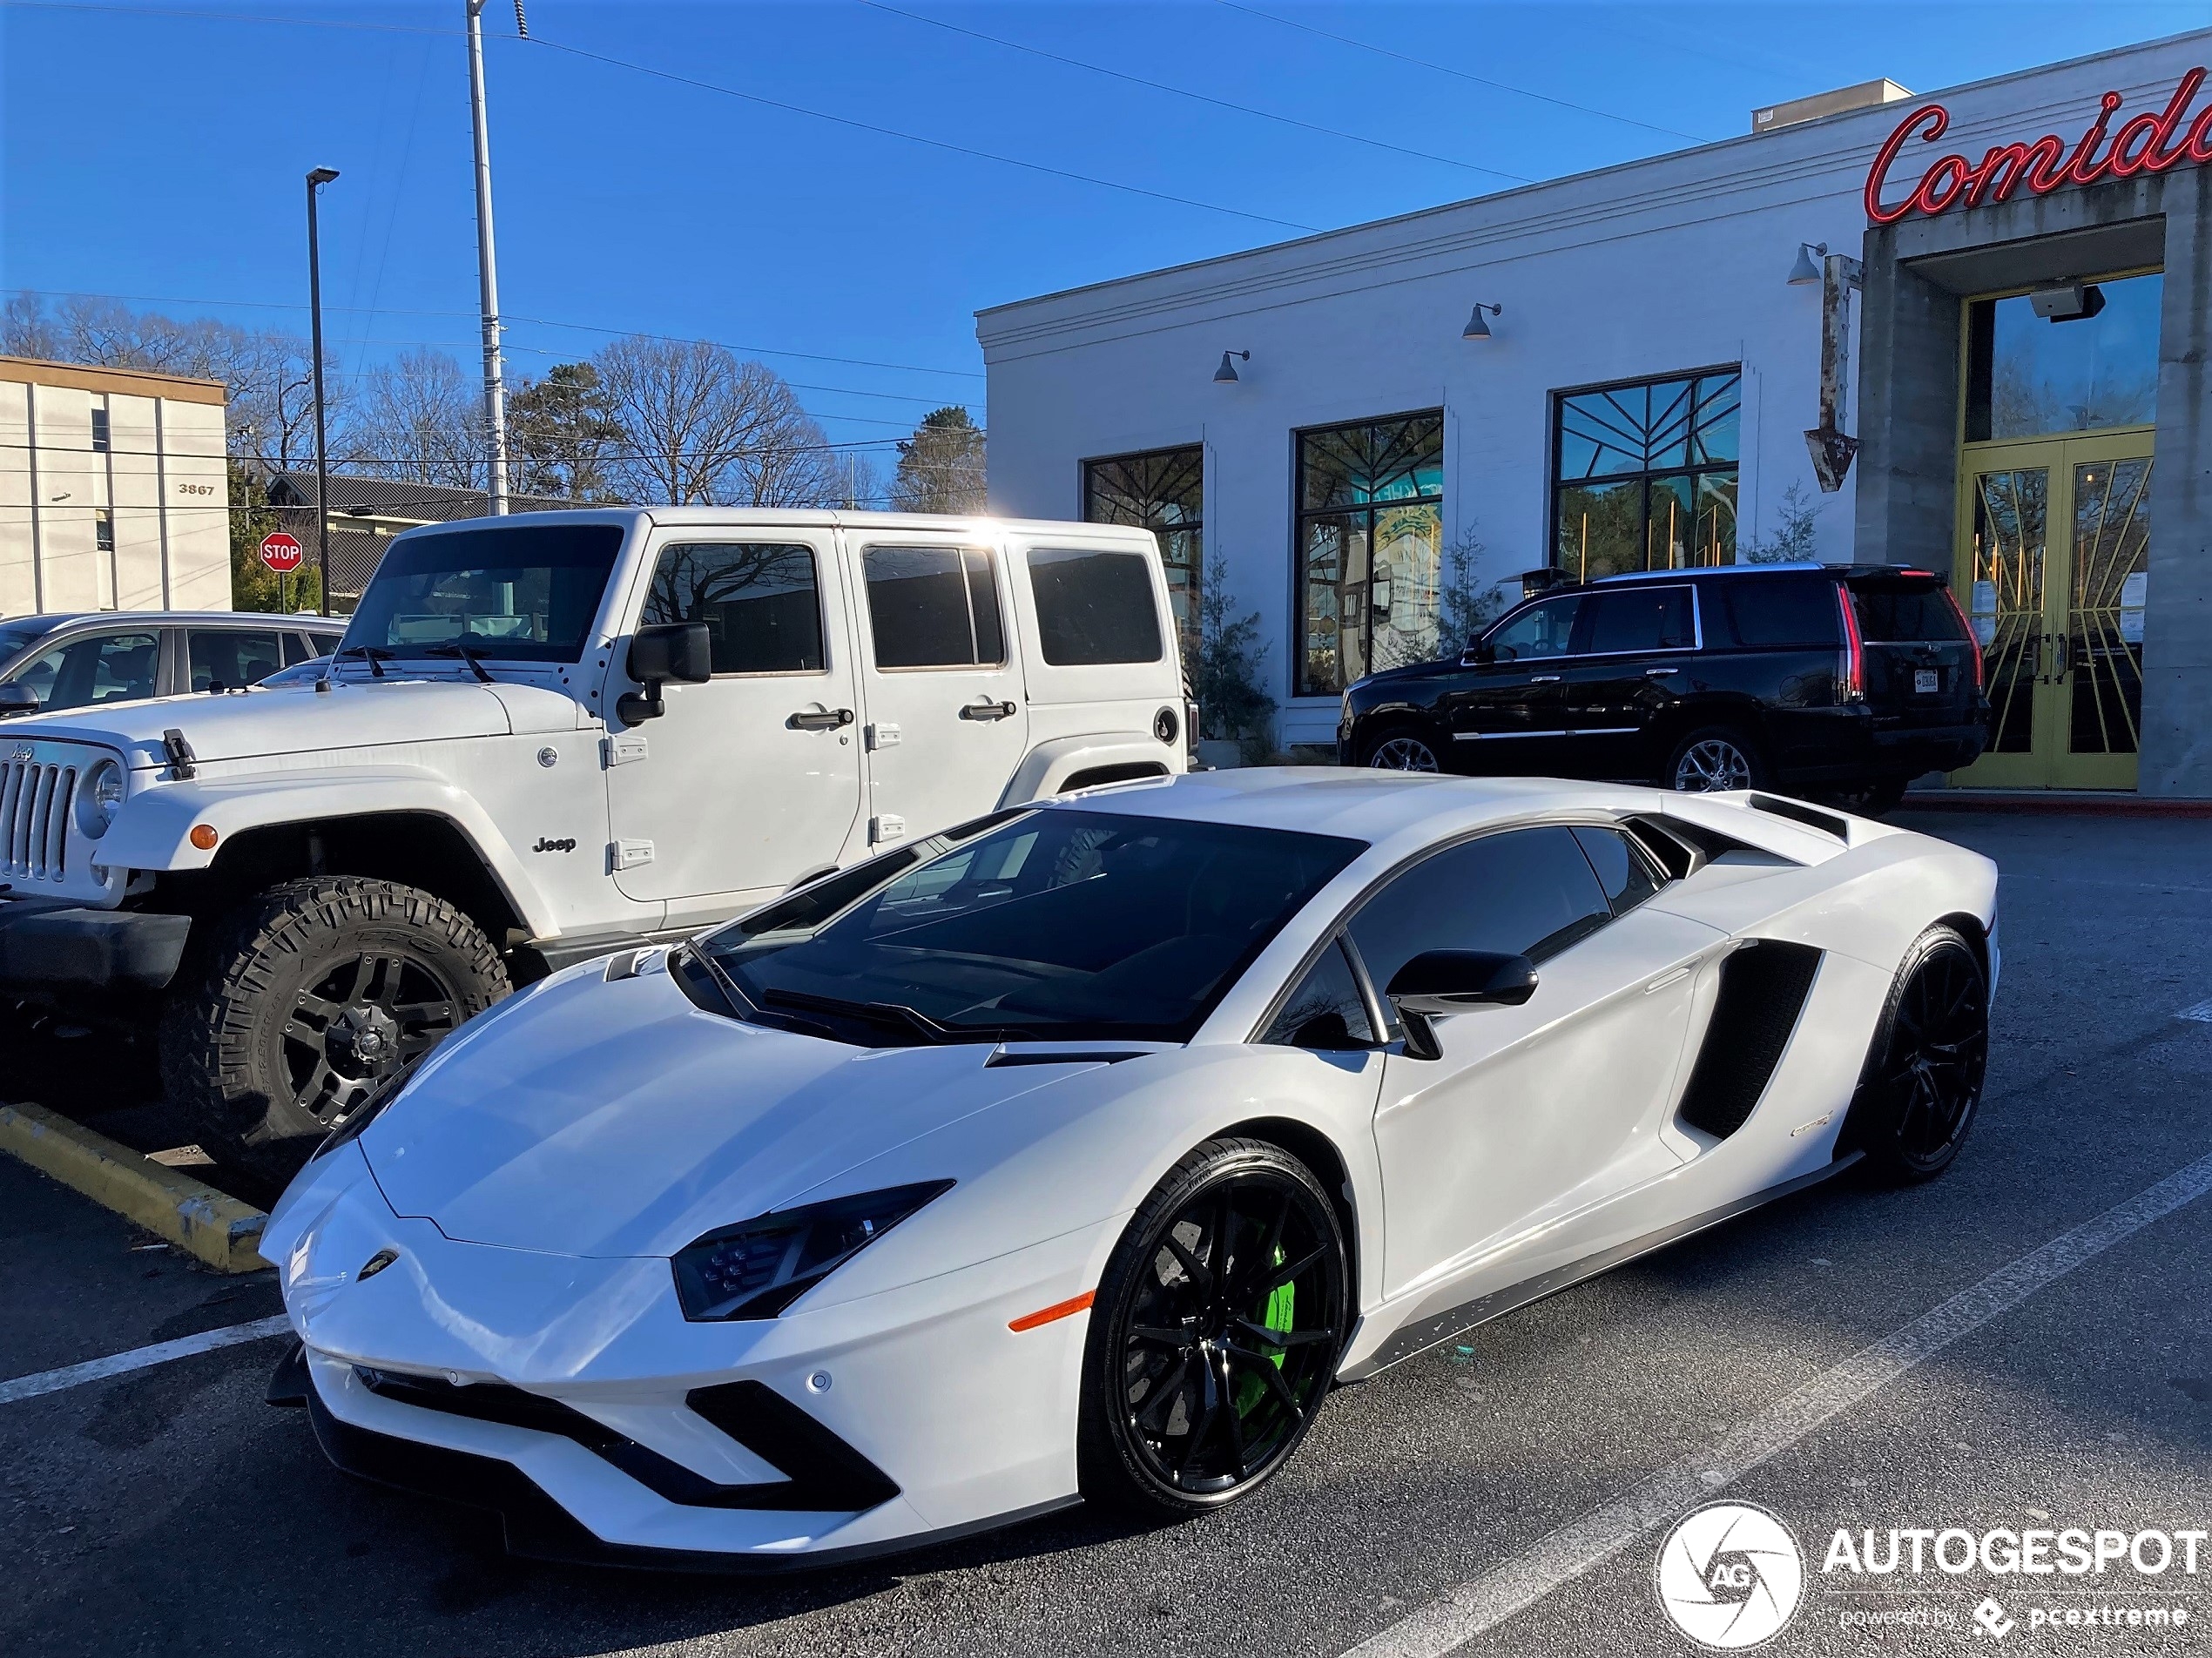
316	180
487	270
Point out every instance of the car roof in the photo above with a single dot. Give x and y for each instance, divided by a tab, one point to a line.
795	518
1726	572
173	618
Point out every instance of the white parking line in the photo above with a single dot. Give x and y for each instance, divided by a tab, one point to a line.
1484	1602
2202	1012
93	1370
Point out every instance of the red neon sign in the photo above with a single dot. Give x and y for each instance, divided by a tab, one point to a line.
2144	144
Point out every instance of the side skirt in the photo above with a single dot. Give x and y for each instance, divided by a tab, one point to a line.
1416	1339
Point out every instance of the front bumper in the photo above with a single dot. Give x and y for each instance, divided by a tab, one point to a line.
617	1431
50	948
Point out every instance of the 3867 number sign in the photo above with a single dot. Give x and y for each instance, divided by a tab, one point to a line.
281	552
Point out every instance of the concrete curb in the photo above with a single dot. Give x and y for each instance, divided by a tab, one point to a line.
218	1230
2054	803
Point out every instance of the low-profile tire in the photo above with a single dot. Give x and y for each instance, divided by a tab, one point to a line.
303	1000
1921	1087
1215	1335
1401	748
1714	758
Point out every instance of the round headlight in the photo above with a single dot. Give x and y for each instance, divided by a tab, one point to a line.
99	797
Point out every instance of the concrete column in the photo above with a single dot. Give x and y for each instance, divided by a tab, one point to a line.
1908	413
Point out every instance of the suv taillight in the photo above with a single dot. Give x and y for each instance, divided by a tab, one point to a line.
1981	681
1850	684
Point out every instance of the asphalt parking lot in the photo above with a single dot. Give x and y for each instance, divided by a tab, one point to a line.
1471	1499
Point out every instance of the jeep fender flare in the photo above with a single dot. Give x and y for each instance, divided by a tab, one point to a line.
1050	766
154	829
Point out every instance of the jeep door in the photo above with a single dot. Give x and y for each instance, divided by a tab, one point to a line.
947	713
751	780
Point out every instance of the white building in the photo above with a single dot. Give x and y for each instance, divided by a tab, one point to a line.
1641	396
113	493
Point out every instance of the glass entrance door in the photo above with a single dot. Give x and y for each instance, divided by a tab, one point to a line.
2054	537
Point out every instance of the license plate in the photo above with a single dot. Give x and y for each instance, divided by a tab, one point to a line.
1926	680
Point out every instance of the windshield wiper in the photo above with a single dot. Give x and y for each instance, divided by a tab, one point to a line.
375	655
467	653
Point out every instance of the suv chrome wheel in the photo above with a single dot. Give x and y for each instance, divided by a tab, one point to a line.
1403	754
1710	764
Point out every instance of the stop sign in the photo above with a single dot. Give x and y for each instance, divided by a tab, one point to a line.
281	552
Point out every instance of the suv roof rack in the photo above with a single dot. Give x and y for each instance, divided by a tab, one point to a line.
1715	570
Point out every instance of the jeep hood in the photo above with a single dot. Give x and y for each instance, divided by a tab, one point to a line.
267	722
619	1119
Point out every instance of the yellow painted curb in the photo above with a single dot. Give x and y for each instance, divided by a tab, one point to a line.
219	1229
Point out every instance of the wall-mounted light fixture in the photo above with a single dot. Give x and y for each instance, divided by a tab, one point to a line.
1477	329
1226	374
1807	269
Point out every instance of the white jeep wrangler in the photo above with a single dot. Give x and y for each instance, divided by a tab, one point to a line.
545	738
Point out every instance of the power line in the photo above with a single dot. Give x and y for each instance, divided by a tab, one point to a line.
1200	98
915	137
1460	74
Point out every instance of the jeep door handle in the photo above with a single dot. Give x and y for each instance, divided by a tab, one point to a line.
818	720
984	708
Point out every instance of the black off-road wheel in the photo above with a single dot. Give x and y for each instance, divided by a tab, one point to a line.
1215	1335
1921	1089
304	1000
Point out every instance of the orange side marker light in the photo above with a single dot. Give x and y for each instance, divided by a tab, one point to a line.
203	836
1066	1309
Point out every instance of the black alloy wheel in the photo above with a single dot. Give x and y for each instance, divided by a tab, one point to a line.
1923	1081
1402	752
368	1015
1216	1334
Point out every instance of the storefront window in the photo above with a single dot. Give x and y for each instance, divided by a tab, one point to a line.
1646	475
1370	534
2028	374
1164	491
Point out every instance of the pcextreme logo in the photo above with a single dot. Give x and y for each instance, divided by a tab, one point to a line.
1729	1576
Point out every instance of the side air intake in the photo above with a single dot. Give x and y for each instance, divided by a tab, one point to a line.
1764	987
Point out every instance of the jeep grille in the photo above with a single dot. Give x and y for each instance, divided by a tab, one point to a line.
35	800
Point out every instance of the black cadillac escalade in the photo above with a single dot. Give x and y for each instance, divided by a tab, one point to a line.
1841	681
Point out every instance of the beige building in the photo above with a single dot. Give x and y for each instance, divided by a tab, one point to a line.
113	493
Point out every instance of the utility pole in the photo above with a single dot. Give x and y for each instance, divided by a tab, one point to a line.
487	267
316	180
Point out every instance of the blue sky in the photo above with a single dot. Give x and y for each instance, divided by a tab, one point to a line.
155	151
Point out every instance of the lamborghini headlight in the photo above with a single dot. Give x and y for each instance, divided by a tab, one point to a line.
758	1268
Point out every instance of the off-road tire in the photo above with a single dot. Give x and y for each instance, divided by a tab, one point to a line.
224	1028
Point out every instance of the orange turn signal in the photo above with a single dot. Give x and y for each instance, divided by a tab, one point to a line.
203	836
1066	1309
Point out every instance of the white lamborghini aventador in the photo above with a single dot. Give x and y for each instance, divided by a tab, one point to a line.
1080	1151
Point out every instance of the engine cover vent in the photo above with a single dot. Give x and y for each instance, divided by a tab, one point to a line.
1764	987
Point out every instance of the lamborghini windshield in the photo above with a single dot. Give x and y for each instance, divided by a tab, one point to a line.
1057	924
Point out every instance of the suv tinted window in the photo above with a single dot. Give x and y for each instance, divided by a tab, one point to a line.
1769	612
934	607
1543	630
1640	618
98	668
1904	612
1527	892
757	598
1094	605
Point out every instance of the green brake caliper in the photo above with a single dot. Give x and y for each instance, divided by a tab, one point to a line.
1281	1315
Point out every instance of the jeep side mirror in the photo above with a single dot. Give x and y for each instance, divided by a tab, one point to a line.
683	651
18	699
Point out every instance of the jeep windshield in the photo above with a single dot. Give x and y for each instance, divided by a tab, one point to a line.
521	592
1058	925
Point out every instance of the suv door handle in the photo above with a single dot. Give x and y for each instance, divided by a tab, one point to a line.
1655	673
984	708
807	719
1543	679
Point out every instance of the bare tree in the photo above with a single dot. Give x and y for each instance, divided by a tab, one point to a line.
699	426
420	418
941	467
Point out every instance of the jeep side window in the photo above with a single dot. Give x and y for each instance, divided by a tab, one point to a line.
1095	605
935	606
760	600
